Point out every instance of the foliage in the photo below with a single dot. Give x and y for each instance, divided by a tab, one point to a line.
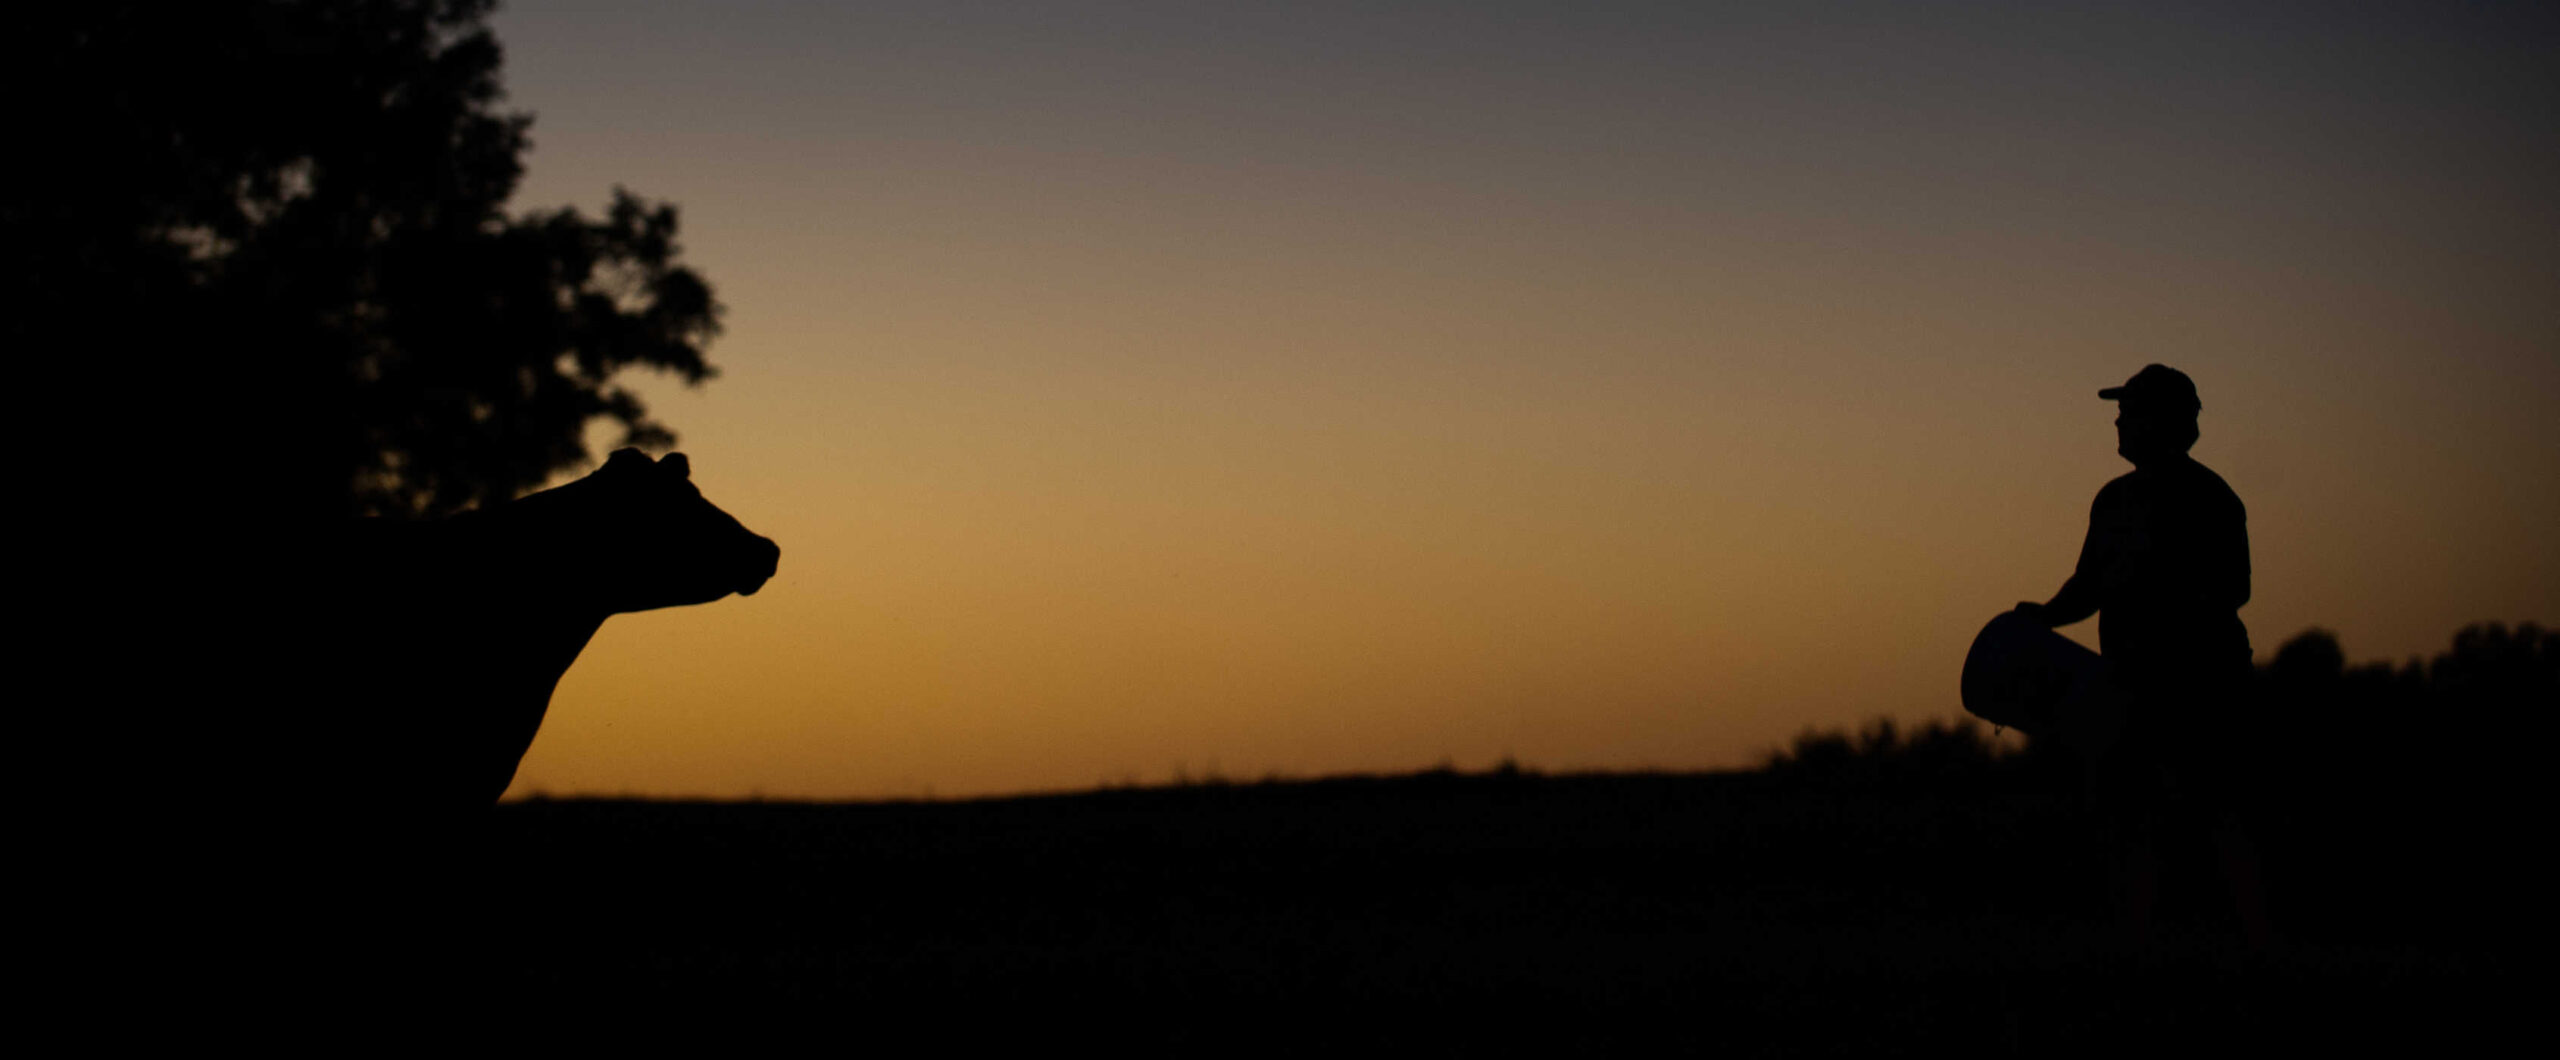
1938	750
2410	791
2314	724
2488	698
278	227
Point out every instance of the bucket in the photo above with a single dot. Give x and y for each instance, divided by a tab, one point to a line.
2022	675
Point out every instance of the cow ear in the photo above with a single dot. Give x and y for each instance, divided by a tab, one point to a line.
626	460
676	462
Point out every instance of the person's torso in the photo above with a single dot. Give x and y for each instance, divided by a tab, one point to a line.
2171	552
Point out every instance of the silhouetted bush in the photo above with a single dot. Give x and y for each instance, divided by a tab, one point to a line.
1940	751
2397	795
2392	801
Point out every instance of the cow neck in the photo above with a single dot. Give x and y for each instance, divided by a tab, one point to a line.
543	606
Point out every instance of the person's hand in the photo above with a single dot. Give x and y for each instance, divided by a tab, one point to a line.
2035	611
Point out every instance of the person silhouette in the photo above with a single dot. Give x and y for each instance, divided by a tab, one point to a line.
2165	567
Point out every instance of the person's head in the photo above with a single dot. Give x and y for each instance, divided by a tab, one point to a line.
2155	414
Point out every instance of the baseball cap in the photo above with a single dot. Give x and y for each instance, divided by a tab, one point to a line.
2157	386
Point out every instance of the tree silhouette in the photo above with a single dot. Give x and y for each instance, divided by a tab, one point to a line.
278	227
2410	795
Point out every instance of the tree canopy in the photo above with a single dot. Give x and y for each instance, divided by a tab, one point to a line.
278	229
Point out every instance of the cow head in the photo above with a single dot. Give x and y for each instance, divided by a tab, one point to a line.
650	540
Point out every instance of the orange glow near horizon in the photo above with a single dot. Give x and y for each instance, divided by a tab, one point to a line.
1127	406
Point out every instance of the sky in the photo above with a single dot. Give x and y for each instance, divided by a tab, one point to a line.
1148	391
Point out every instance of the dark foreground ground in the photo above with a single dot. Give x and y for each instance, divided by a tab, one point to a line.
1743	914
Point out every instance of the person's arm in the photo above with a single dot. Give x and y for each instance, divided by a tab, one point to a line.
2074	602
2078	597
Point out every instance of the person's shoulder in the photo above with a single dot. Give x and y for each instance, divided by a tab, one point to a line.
2205	477
2123	485
2208	484
2116	487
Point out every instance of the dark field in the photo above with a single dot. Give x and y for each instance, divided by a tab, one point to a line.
1764	913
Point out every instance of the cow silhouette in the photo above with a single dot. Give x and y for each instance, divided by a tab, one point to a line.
434	646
